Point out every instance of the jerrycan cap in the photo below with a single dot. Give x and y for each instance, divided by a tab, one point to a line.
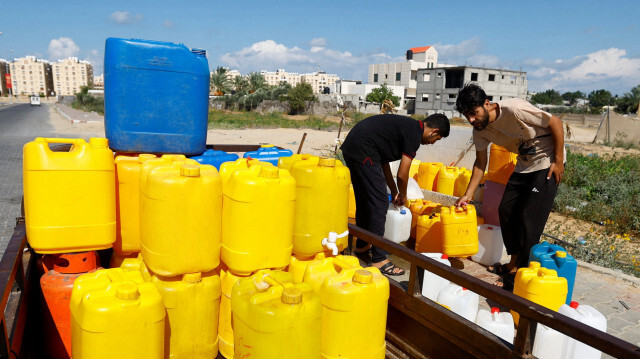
445	256
327	162
534	265
574	304
265	146
127	291
192	277
495	310
144	157
561	254
291	296
99	142
268	172
402	211
190	171
362	276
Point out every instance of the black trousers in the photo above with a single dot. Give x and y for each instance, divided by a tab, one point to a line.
372	201
524	210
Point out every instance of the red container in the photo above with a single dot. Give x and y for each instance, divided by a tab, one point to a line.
56	283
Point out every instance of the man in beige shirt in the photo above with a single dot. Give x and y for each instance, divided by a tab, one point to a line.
538	139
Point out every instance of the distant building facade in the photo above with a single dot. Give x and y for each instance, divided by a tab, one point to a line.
318	80
70	74
98	82
4	70
279	76
437	88
31	76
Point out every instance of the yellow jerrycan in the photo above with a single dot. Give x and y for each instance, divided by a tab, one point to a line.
501	164
414	168
285	163
229	168
354	310
427	174
117	259
540	285
447	176
321	207
352	203
272	319
459	231
128	202
257	219
421	207
114	314
462	182
69	197
180	213
192	302
429	233
314	272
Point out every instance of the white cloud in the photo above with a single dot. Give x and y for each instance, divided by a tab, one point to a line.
167	23
61	48
453	53
124	17
319	42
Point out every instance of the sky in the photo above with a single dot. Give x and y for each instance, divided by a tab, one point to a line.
576	45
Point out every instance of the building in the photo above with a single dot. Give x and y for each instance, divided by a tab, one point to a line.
98	82
31	76
437	88
4	70
320	80
275	78
405	73
70	74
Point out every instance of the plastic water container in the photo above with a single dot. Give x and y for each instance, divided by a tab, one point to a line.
429	234
543	249
459	231
128	202
414	169
215	158
192	302
490	245
427	175
397	227
257	218
432	284
117	259
462	182
460	300
447	176
321	207
498	323
352	202
116	315
69	197
585	314
225	326
315	271
565	265
275	319
268	153
501	164
492	197
180	209
286	163
57	284
541	286
156	97
421	207
354	310
548	343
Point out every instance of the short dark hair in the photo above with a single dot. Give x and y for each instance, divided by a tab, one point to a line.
470	97
440	122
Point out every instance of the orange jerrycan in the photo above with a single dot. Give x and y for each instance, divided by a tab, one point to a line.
128	203
192	302
421	207
540	285
459	231
501	164
354	310
285	163
429	233
462	182
69	197
427	174
180	214
447	176
57	284
116	315
321	206
257	218
272	319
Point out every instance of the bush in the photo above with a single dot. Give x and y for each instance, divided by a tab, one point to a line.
88	103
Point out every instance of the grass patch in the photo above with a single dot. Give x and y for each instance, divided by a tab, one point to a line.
247	120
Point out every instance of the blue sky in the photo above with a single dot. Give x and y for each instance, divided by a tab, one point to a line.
565	45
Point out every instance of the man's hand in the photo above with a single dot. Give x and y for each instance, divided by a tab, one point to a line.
557	170
463	201
399	199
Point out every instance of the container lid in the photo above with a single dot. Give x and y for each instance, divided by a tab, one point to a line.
190	171
291	296
192	277
98	142
495	310
444	256
534	264
402	211
268	172
127	291
263	146
574	304
561	254
362	276
145	157
327	162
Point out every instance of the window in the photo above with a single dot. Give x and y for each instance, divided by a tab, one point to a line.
437	96
452	96
425	97
426	77
439	74
386	76
375	77
492	77
474	76
398	76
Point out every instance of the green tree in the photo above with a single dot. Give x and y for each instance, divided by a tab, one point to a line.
379	94
629	102
573	97
240	84
256	82
599	98
220	83
548	97
298	97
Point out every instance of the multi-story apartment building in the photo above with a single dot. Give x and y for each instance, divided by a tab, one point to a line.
98	82
404	73
4	70
274	78
70	74
31	76
437	88
320	80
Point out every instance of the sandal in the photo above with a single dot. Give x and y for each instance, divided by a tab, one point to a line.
364	255
499	269
389	269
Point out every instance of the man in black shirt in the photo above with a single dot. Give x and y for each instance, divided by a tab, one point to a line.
367	151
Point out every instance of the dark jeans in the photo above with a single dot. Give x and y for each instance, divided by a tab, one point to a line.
524	210
372	201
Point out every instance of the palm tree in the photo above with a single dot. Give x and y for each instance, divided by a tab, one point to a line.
256	82
240	84
220	81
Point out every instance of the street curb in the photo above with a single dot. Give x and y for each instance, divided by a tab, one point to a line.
610	272
66	117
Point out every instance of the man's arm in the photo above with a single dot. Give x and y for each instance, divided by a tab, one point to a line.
476	176
557	134
388	176
403	180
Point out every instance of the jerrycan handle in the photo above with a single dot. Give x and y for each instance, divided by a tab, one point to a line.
75	142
